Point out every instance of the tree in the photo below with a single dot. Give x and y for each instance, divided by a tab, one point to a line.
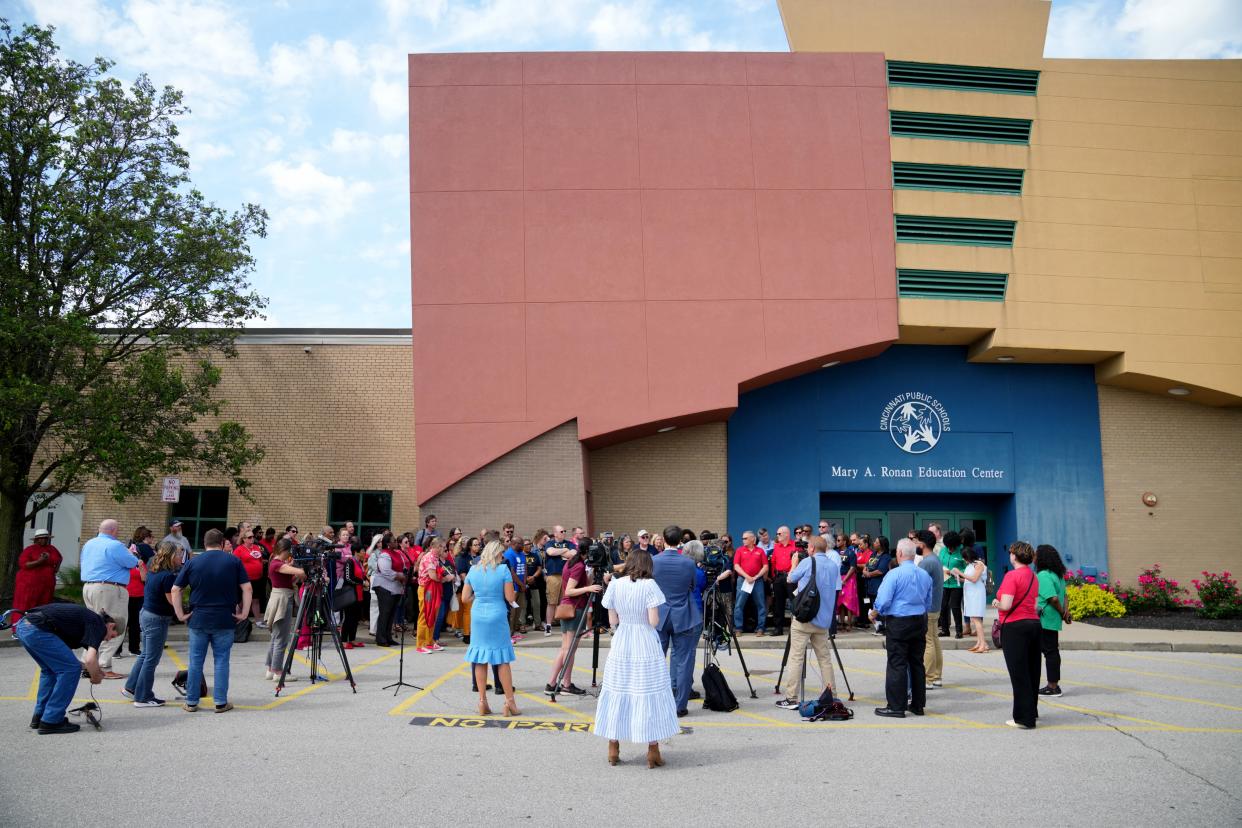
121	287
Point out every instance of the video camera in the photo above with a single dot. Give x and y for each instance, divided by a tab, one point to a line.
714	559
598	559
315	555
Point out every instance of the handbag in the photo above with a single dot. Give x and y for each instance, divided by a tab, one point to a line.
565	612
343	598
806	602
997	624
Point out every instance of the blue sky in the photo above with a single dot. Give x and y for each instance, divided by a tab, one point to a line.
300	105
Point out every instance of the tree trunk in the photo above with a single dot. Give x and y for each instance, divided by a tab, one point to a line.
12	527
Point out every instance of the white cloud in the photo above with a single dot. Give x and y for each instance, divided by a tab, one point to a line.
364	145
429	10
300	64
390	97
312	196
621	25
1146	29
389	252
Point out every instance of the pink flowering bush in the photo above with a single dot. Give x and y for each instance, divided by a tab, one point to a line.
1155	593
1218	595
1074	577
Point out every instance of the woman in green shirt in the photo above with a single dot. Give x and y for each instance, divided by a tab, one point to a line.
1053	609
951	559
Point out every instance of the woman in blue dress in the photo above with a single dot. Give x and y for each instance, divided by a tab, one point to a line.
636	703
489	588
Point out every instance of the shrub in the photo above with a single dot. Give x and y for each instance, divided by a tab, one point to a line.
1074	577
1218	595
1091	601
1155	593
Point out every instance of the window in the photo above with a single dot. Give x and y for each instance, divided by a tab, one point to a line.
950	284
201	508
956	178
954	230
371	512
960	127
965	78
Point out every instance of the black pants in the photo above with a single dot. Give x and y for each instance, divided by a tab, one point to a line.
1020	641
905	640
135	629
1050	645
780	597
474	682
349	621
952	603
387	605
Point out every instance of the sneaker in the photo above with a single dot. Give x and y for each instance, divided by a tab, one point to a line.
358	644
424	650
547	629
517	637
787	704
65	726
573	690
347	645
1050	691
153	702
268	675
261	625
936	683
129	694
435	648
190	708
36	720
547	688
224	708
1012	723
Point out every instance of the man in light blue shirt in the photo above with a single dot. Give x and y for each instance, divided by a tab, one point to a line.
814	633
903	600
106	563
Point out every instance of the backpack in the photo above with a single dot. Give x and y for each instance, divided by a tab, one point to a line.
826	708
716	693
806	602
241	633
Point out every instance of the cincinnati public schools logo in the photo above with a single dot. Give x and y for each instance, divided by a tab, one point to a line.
915	421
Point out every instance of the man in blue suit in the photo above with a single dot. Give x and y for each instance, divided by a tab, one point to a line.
680	617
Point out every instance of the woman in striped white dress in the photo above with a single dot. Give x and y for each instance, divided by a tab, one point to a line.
636	703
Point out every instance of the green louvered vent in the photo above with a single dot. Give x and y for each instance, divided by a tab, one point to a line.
969	78
953	230
951	284
909	176
960	127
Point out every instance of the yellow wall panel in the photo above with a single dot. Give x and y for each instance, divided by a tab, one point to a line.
1111	213
1120	87
1215	217
972	205
1225	191
1025	287
1107	265
1222	245
971	153
917	99
1129	239
955	257
1138	188
1140	113
1222	274
1143	139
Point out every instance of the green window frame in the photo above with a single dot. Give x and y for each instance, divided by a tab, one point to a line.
963	78
199	509
954	127
978	232
956	178
369	509
913	283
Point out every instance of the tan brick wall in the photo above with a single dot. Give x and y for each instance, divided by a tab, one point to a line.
291	401
538	484
1190	457
679	477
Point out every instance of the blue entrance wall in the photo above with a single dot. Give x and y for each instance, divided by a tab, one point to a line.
1026	435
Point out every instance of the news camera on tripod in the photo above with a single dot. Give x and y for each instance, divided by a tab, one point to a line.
817	578
318	559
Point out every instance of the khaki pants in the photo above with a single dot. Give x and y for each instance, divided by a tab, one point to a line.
113	600
800	635
933	657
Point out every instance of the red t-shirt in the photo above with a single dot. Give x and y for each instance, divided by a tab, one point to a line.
252	559
136	585
750	560
279	581
1020	583
782	556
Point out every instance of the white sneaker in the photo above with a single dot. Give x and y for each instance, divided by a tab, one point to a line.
269	675
547	629
261	625
126	693
150	703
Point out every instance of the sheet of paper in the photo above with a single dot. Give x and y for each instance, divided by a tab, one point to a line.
748	586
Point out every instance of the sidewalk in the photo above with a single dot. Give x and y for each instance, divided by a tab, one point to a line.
1076	636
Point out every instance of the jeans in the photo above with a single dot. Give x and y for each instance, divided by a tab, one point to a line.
154	630
739	606
221	642
59	671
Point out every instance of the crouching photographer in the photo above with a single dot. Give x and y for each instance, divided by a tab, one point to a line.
50	634
813	570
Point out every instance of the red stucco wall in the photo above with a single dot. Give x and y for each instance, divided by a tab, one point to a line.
628	239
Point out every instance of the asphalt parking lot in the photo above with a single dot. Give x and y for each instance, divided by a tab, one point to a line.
1138	739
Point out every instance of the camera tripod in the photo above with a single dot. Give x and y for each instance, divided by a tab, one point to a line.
713	609
599	623
401	682
832	641
315	610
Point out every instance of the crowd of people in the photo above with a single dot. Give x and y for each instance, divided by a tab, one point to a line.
493	588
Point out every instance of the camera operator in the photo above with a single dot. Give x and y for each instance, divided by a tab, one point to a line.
815	632
280	606
576	593
50	634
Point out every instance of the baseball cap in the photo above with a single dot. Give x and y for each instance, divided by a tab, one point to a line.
174	524
642	532
42	533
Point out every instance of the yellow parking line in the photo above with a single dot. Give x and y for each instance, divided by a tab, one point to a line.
549	703
1185	661
176	659
33	693
306	661
459	670
1072	708
1093	666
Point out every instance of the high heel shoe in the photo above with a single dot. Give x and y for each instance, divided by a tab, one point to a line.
614	751
511	708
654	760
484	710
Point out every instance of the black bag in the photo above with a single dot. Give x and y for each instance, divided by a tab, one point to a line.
716	693
241	633
344	597
806	602
182	677
827	708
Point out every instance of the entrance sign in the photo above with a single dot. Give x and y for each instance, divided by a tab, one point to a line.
979	463
915	421
172	490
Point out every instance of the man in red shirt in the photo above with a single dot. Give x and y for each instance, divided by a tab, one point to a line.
782	561
750	563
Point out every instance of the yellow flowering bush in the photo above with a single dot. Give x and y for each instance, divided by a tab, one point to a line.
1089	601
